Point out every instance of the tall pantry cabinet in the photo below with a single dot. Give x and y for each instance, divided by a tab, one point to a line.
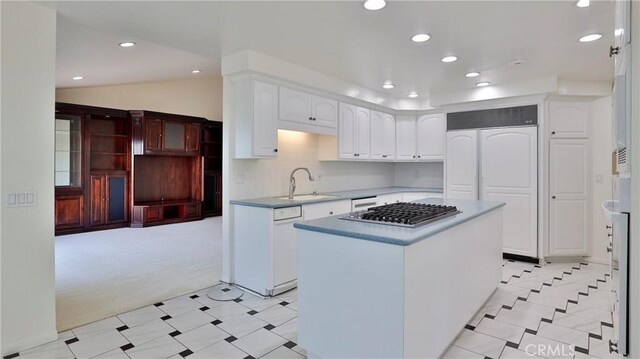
569	178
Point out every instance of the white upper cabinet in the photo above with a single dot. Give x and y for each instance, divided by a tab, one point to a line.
347	127
363	131
569	119
305	112
431	130
324	111
383	139
405	138
255	111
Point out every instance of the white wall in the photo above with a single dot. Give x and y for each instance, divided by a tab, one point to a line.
601	146
27	301
427	174
201	97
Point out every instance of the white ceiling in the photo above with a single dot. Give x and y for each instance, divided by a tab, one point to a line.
341	39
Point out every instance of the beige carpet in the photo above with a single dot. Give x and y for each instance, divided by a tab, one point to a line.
104	273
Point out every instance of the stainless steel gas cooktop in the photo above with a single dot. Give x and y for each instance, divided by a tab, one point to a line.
403	214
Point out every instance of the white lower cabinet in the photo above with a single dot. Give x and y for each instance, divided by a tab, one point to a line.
389	198
326	209
406	197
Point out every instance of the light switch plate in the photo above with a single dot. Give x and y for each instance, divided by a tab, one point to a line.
21	199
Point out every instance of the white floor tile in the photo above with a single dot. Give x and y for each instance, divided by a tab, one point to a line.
283	353
545	347
600	349
66	335
242	325
511	353
589	312
98	327
257	303
288	330
259	342
98	344
54	350
586	325
480	343
190	320
227	310
290	296
277	315
178	306
300	350
202	337
293	306
518	318
455	352
221	349
141	316
113	354
540	310
162	347
500	330
565	335
147	332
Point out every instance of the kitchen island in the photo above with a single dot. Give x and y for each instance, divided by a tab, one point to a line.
374	290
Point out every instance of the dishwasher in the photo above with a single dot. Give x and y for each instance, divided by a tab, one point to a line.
285	248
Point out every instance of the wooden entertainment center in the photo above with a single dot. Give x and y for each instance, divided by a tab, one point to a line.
117	168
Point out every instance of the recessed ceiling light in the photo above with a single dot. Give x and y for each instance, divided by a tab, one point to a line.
76	78
127	44
619	32
195	71
374	4
420	37
483	84
413	94
582	3
449	59
590	37
472	74
388	85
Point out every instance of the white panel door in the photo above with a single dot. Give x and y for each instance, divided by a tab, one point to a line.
324	111
378	144
462	164
389	136
431	136
347	131
509	173
295	106
569	119
405	138
363	130
265	119
569	180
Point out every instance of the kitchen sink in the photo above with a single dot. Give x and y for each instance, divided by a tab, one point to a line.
308	197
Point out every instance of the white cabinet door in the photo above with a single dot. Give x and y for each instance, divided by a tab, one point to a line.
509	174
414	196
569	174
405	138
430	130
363	130
327	209
324	111
569	119
265	119
462	164
295	106
389	136
377	135
347	127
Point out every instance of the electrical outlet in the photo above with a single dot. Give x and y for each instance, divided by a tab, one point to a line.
240	178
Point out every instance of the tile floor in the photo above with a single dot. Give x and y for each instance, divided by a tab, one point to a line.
563	306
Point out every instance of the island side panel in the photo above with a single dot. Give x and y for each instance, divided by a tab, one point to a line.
350	297
448	277
252	236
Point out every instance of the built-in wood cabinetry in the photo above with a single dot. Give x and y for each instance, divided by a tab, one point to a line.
212	168
165	134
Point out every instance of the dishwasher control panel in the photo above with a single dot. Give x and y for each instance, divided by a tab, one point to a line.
280	214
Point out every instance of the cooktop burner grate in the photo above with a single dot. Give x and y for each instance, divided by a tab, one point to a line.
404	214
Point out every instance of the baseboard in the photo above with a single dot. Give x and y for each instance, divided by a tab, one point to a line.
520	258
28	343
598	260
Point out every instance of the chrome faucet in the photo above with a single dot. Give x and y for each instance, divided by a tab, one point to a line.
292	180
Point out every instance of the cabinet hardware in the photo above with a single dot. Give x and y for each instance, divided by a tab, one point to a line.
553	197
310	118
608	226
614	50
414	156
331	212
275	150
553	132
609	249
609	235
419	156
384	156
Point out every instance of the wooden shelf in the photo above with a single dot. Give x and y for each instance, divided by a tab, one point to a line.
109	153
108	135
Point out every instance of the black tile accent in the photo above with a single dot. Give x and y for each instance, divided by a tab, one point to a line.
490	316
72	340
231	339
560	310
488	357
10	356
593	286
503	282
248	357
159	304
595	336
204	308
512	345
470	327
522	299
547	284
557	278
284	302
127	347
289	344
583	294
269	327
538	266
185	353
225	289
546	320
175	333
124	327
535	291
166	317
581	350
238	300
194	296
606	324
252	312
572	301
216	322
506	307
531	331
